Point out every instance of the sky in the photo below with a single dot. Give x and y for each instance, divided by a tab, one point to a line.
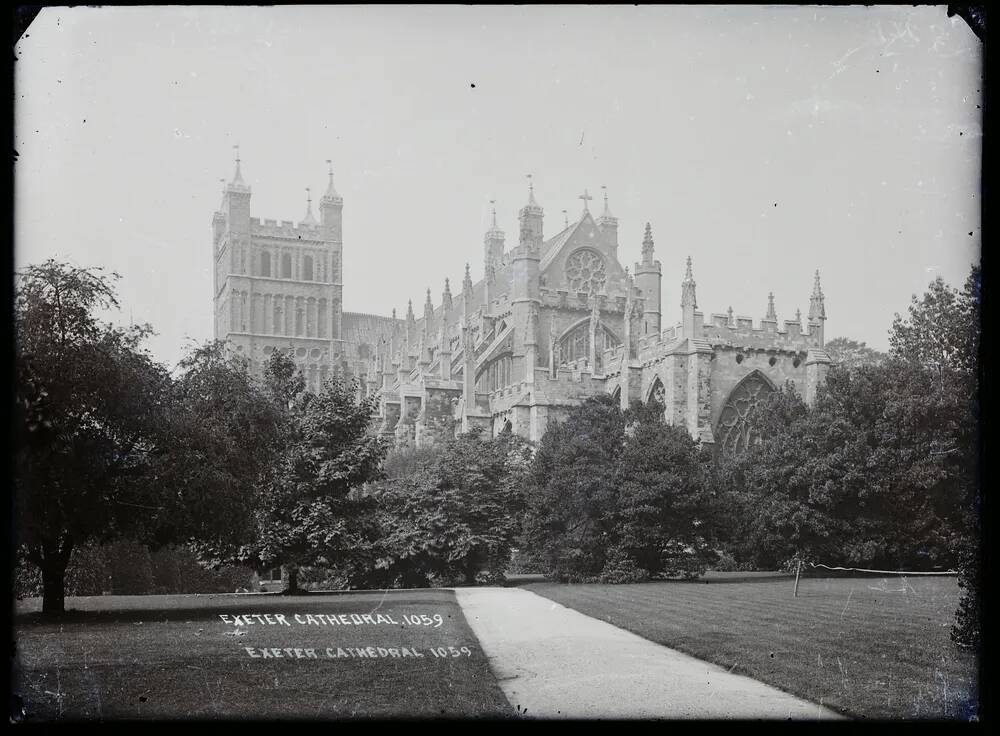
764	142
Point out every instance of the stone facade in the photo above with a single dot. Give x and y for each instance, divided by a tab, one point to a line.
551	322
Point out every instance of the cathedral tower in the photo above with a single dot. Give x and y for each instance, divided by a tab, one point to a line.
648	278
279	285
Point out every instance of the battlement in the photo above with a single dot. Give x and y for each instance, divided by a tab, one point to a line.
743	333
286	229
582	300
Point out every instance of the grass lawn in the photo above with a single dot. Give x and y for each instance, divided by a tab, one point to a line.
866	647
139	657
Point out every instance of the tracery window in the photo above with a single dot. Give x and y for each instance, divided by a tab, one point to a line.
576	344
734	431
585	271
659	393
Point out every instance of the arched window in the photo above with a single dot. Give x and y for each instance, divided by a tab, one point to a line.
286	266
575	344
734	430
307	268
657	393
265	264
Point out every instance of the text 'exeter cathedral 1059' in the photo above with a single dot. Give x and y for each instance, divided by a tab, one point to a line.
551	322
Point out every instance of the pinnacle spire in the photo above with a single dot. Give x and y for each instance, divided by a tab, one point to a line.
238	176
817	309
647	245
237	184
446	295
467	281
687	288
606	215
565	219
531	192
331	192
409	310
771	314
309	219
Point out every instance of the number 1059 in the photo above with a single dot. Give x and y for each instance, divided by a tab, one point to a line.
443	652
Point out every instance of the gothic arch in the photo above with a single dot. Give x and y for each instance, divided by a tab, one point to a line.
657	391
617	393
732	428
574	342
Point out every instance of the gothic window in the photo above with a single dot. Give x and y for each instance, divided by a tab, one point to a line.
734	431
495	376
307	268
575	344
265	264
658	393
585	271
286	265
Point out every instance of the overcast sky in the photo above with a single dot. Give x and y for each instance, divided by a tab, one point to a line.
764	142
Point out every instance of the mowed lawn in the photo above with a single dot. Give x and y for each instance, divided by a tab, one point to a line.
138	657
866	647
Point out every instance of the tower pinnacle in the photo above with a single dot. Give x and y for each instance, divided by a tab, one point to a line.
687	288
817	308
771	314
647	246
331	195
309	219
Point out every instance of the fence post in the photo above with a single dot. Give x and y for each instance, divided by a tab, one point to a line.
798	569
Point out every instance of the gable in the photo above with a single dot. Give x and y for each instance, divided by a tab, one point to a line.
584	235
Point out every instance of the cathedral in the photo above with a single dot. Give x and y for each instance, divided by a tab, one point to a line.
551	322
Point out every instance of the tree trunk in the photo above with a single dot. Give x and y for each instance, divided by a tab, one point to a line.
470	573
53	562
293	580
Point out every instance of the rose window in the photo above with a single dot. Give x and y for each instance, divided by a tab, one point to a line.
735	430
585	271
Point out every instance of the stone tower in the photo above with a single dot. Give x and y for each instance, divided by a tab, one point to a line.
278	286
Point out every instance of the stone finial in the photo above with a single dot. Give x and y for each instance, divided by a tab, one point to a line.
729	313
647	246
688	288
771	314
586	198
446	295
467	281
409	310
798	316
238	176
565	219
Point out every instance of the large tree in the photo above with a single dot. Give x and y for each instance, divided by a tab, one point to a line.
572	491
453	513
664	516
89	402
309	510
941	333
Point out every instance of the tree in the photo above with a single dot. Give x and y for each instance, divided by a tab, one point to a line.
663	516
850	353
89	401
309	510
222	438
572	492
454	513
942	333
942	328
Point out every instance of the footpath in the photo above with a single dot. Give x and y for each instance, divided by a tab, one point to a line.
554	662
